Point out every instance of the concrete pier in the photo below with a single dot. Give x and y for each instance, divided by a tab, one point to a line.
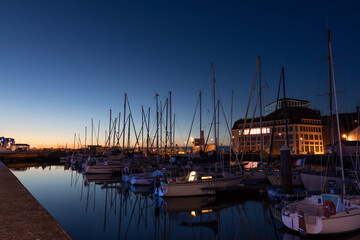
21	215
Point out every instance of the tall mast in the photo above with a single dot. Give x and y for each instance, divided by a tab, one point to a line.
128	144
109	128
337	119
85	136
98	135
231	113
260	106
114	135
286	123
171	150
218	120
142	127
357	134
213	83
166	125
92	130
157	127
124	122
330	97
200	148
74	140
118	132
148	136
161	133
173	141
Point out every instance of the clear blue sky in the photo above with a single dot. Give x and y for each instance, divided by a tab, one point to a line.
65	62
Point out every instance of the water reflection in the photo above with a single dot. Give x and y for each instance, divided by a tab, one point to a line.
101	207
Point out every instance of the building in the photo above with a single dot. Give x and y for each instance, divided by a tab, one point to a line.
353	135
305	129
23	147
348	123
6	143
196	143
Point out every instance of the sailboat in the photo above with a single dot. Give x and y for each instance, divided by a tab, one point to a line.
325	213
197	183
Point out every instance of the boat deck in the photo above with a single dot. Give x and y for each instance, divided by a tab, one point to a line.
307	207
21	215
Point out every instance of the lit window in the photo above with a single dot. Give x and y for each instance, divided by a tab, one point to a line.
192	176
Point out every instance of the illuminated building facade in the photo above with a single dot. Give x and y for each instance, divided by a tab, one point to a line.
305	130
6	143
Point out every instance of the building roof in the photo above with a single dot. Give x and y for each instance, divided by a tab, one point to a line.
294	114
282	99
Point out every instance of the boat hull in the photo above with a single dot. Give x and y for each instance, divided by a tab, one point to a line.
342	222
276	179
315	182
195	188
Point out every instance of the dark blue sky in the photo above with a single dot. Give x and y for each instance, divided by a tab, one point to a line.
65	62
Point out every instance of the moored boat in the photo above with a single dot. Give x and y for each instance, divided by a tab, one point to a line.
195	184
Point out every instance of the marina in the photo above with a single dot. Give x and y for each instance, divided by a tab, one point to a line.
106	208
179	120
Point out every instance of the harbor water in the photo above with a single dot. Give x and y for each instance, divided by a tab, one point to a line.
100	207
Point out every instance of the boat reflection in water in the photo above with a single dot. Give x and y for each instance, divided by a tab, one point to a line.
208	217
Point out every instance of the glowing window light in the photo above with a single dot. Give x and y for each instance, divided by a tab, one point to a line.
206	211
192	176
256	131
206	177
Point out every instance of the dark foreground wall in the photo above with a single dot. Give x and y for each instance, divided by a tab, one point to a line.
21	215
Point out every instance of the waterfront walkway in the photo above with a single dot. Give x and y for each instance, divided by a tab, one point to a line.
21	215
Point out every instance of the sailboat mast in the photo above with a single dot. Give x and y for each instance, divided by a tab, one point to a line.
85	136
98	134
124	123
200	148
148	134
114	135
109	128
142	127
213	83
157	127
330	97
161	133
218	120
260	106
166	125
286	123
92	130
337	119
231	113
118	132
171	150
128	144
173	133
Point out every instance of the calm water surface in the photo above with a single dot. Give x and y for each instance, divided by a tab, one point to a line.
88	209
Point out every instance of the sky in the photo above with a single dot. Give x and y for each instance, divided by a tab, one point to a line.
63	63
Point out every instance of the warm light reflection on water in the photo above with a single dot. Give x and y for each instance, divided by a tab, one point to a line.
88	209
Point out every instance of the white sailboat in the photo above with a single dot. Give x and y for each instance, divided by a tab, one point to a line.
318	182
325	213
195	184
